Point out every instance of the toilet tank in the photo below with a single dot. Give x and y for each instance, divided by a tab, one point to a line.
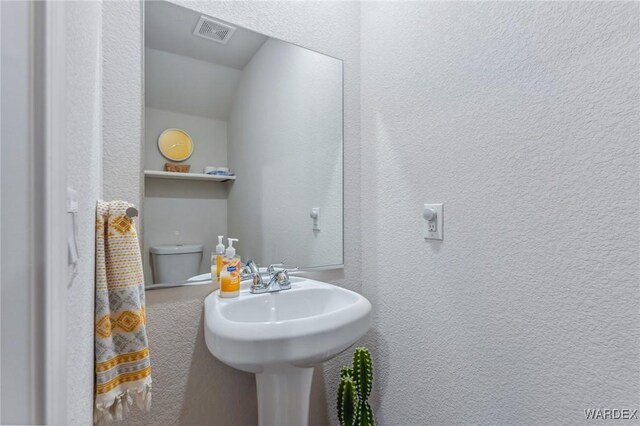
175	262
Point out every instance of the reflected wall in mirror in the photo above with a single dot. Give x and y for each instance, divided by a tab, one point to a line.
265	118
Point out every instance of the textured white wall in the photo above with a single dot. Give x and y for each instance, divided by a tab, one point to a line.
122	44
84	173
523	118
328	27
285	146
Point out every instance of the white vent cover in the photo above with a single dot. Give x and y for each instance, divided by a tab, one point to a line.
213	30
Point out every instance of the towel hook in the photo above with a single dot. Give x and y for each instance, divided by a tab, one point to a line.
132	212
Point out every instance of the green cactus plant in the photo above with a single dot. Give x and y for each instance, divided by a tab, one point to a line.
354	389
346	402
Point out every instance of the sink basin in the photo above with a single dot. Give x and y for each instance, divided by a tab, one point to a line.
281	336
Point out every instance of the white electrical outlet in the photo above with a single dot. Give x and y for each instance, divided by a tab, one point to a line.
433	215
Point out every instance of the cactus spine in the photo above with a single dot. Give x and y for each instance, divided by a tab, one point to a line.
354	389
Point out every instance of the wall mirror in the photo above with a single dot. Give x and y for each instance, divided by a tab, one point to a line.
243	138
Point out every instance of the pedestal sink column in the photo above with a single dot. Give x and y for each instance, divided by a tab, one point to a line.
283	395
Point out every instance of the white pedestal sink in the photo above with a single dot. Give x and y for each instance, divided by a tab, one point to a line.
281	336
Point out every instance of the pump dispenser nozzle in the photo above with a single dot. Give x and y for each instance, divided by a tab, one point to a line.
220	246
231	251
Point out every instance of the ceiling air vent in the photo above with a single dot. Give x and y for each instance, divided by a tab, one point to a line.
213	30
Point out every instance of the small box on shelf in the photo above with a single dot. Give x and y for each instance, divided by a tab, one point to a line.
177	168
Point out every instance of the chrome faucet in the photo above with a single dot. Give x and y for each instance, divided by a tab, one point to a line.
278	278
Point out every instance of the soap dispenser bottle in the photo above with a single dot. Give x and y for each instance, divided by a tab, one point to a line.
216	261
230	274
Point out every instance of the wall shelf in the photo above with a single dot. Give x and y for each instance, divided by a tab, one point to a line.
186	176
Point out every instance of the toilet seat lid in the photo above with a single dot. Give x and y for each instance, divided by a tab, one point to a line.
176	248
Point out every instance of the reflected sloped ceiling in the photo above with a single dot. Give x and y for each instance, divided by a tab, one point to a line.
188	74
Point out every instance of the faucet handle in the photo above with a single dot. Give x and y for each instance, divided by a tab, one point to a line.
280	276
254	273
272	268
251	265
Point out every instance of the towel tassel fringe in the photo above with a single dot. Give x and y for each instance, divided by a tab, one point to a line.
119	407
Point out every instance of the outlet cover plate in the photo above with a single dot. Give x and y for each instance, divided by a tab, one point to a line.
429	233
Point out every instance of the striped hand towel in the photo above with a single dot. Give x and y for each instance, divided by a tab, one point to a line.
123	371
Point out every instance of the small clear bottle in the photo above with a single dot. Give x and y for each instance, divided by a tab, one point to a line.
216	261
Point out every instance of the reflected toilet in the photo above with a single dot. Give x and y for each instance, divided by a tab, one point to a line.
175	262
